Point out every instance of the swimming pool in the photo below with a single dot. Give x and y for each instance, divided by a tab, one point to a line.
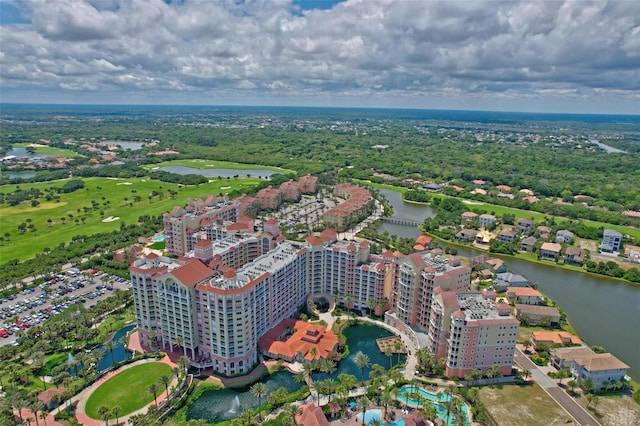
437	400
158	238
371	415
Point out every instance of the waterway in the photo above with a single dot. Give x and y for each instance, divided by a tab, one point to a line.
214	173
603	312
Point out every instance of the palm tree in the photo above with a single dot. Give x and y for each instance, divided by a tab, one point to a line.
153	390
362	361
115	412
110	345
259	390
371	304
398	347
527	344
376	422
363	404
389	353
165	380
291	411
104	413
386	399
176	372
183	362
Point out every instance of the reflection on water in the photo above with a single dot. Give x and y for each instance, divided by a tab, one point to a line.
214	173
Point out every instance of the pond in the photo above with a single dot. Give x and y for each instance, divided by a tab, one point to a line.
120	352
217	405
214	173
22	152
127	146
361	338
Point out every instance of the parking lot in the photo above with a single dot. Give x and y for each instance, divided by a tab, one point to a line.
35	305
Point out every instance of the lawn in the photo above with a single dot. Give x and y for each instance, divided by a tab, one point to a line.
49	150
211	164
127	389
522	405
114	197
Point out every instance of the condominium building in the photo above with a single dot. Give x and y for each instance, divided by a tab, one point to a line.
181	222
358	204
480	335
269	198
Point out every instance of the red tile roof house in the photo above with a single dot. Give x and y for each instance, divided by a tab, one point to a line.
525	225
524	295
507	235
311	415
469	216
574	256
549	251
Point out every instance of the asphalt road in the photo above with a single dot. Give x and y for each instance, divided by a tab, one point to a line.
581	416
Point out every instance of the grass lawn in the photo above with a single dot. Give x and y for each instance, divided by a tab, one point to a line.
215	164
127	389
613	410
115	198
500	210
522	405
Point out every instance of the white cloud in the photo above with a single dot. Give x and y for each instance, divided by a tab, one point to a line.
381	50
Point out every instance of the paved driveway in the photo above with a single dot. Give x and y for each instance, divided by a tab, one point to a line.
556	392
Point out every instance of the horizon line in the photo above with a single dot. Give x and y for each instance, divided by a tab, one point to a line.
630	114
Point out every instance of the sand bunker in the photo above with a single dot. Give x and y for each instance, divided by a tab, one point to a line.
110	219
124	183
225	187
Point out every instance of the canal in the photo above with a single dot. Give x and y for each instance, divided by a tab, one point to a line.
604	312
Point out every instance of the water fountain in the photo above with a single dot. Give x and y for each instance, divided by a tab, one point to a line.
235	404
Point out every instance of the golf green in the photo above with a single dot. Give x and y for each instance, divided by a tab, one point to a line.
128	389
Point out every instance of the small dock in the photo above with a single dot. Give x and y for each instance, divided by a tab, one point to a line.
393	342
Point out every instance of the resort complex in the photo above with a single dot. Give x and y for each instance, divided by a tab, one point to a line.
227	295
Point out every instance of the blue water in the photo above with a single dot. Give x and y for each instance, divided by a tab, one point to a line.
119	352
233	112
436	399
159	238
371	415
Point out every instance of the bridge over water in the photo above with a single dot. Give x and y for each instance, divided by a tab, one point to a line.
405	222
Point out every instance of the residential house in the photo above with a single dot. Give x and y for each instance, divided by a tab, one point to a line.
537	314
486	220
632	253
466	235
528	244
554	338
432	186
507	236
497	266
311	415
469	216
549	251
611	241
525	225
524	295
564	237
505	280
574	256
562	358
600	369
544	231
503	188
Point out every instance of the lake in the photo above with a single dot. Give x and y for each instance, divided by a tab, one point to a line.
214	173
603	312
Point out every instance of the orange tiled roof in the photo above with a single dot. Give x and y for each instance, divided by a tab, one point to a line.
557	337
305	337
311	415
192	273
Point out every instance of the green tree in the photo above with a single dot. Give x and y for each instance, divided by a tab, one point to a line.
153	389
259	390
362	361
104	413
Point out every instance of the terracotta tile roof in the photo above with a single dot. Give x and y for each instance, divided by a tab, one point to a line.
538	310
557	337
554	247
311	415
601	362
192	273
305	337
523	291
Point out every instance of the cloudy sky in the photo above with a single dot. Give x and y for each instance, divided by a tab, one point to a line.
559	56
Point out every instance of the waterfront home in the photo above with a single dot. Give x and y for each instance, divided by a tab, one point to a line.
632	253
562	358
554	338
599	368
525	225
549	251
528	244
611	241
537	314
466	235
497	266
574	256
564	237
505	280
524	295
